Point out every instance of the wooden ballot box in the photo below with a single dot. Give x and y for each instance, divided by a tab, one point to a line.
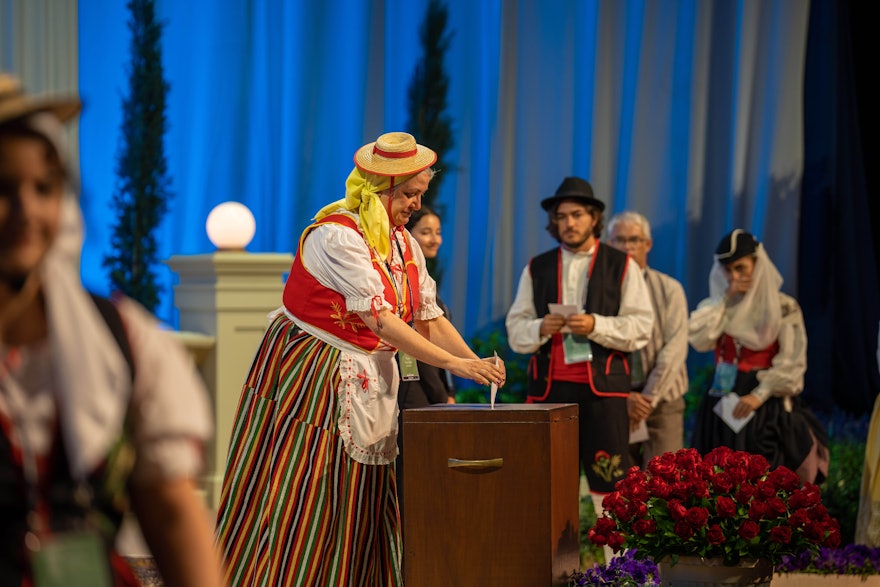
491	495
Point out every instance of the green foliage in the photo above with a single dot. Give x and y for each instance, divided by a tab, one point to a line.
590	553
490	340
841	490
141	195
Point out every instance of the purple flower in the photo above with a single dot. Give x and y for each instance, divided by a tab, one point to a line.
624	570
852	559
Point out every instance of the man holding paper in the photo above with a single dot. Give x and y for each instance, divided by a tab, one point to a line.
581	309
659	373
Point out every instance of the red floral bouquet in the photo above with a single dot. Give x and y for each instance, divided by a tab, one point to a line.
727	505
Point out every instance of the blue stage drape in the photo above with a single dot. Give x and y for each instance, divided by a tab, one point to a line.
690	112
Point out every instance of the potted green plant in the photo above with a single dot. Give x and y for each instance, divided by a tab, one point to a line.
725	516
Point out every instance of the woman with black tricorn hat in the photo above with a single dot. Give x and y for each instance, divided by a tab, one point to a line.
309	496
760	344
97	404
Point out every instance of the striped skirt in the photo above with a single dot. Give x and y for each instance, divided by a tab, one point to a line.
295	508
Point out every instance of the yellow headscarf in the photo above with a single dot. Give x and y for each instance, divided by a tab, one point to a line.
362	195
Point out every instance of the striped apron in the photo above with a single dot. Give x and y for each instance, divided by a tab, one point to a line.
295	508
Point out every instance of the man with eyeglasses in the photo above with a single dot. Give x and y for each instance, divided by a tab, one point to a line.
580	310
659	376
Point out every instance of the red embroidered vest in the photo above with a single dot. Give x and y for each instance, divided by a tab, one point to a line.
309	301
745	359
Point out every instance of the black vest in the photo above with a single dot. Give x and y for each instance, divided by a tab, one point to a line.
609	371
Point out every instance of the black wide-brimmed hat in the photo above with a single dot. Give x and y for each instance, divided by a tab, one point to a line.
735	245
573	188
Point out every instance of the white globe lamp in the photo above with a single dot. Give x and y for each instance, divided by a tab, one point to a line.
230	226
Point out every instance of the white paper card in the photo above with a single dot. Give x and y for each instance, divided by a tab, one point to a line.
724	409
493	389
639	433
565	310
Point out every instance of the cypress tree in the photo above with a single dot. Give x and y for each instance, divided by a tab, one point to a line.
427	96
427	100
142	184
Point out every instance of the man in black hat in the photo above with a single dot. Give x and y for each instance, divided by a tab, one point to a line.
581	348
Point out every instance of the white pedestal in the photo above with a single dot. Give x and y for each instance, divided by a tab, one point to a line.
226	296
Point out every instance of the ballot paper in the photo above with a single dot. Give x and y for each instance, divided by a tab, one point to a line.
724	409
493	390
639	433
565	310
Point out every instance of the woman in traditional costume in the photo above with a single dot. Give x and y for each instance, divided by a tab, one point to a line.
760	344
309	496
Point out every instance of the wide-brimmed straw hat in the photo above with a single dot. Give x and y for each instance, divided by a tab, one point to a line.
573	188
393	154
15	104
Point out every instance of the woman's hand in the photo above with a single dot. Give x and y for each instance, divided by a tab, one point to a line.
482	371
747	404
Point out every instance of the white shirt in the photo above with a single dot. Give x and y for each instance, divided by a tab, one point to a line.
628	331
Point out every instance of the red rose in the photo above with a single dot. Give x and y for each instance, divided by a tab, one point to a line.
758	510
683	530
798	519
738	473
738	460
744	494
804	498
748	530
611	500
687	459
725	507
785	479
640	493
699	489
715	535
605	525
615	541
677	511
662	466
697	517
766	489
718	457
780	534
658	488
832	540
597	537
722	483
758	466
681	489
644	527
622	512
776	506
815	531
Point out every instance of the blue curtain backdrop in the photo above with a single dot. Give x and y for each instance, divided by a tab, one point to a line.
690	112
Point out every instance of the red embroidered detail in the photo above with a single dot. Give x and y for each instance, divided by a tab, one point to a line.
365	380
375	306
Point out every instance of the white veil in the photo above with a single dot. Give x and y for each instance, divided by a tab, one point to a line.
755	318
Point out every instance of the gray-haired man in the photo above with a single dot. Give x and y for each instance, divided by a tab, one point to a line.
660	377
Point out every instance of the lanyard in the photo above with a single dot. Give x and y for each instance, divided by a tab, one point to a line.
737	347
397	294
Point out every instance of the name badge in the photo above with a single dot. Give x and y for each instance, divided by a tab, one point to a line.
725	377
70	558
576	349
409	367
